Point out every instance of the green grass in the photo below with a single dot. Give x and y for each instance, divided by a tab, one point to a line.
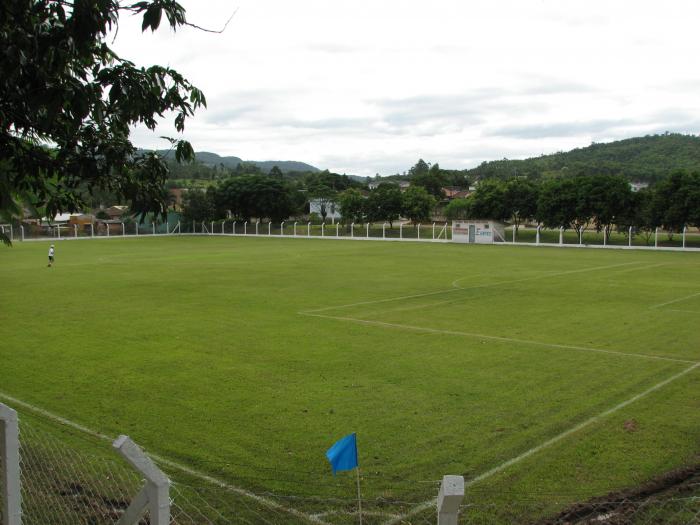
200	350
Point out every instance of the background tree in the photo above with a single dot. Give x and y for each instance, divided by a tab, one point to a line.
431	180
384	204
556	203
260	196
418	204
608	198
488	201
352	205
458	209
67	103
324	195
199	206
520	200
675	200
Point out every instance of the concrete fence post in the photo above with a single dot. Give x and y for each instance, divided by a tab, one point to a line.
323	228
401	230
58	229
257	223
269	228
194	229
368	230
295	228
452	231
418	231
282	228
107	226
537	235
684	230
513	233
337	229
561	235
223	227
92	229
605	236
245	228
308	229
167	226
234	228
155	494
12	235
629	237
656	238
580	236
21	232
384	231
433	231
9	462
211	231
123	231
449	499
352	229
75	230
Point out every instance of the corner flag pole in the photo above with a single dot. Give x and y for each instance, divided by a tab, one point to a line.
359	496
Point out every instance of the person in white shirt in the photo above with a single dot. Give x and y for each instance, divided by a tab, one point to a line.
51	252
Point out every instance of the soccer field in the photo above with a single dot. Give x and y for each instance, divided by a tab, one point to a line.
542	375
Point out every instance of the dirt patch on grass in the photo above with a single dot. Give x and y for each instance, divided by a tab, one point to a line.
626	507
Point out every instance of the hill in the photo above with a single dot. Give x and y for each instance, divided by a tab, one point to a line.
645	159
213	160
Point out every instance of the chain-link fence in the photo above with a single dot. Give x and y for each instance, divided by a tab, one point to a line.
70	477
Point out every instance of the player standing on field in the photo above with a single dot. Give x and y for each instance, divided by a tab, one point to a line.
51	252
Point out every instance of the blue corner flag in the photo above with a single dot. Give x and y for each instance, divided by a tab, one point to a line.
343	454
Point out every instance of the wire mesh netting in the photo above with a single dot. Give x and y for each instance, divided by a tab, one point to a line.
68	477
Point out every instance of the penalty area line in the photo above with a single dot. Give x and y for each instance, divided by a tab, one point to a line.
165	461
495	470
675	300
496	338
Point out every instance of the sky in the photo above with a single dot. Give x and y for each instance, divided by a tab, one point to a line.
368	87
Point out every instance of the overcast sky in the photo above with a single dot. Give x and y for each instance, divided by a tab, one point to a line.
364	87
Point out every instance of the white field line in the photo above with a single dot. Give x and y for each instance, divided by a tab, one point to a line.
495	470
472	335
642	268
684	311
675	300
159	459
456	288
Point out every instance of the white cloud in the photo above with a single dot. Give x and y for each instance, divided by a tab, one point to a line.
364	86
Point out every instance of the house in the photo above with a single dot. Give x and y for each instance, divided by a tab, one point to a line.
115	212
402	184
331	208
478	231
455	192
635	186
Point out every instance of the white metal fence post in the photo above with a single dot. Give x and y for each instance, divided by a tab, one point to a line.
257	224
234	228
269	228
561	235
580	236
107	226
295	228
92	229
9	461
153	228
194	228
352	229
155	494
323	228
452	230
513	233
433	231
656	238
337	229
223	227
418	230
383	230
401	230
21	232
167	226
75	230
308	229
282	228
537	236
211	232
368	230
605	236
245	228
123	230
58	229
449	499
12	235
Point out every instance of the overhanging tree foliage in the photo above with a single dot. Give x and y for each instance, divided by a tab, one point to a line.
67	102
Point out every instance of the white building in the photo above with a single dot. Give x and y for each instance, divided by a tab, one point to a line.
638	185
478	231
332	209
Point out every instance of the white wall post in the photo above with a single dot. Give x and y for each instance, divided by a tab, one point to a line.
580	236
537	236
629	237
21	232
605	236
282	228
295	228
401	230
155	494
234	227
449	499
58	229
656	238
123	231
684	230
245	228
257	223
75	230
384	230
433	231
269	228
153	228
211	232
92	230
9	460
513	233
418	230
223	227
337	229
368	230
561	235
352	229
308	229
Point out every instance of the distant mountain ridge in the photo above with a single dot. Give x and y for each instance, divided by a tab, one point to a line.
213	159
646	159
